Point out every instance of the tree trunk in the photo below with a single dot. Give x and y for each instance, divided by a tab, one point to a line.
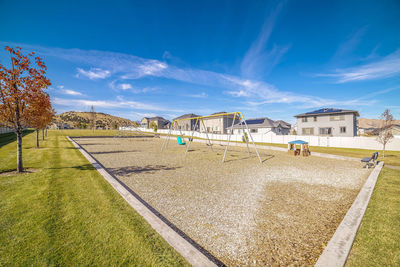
20	167
383	151
37	138
46	131
43	134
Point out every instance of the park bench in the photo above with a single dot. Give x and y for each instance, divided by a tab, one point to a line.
370	161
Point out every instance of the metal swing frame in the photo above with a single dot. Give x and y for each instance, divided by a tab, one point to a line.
199	119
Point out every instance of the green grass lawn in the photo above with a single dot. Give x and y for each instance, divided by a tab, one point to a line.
67	214
378	240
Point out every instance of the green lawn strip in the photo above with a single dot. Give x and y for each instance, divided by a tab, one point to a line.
67	214
378	240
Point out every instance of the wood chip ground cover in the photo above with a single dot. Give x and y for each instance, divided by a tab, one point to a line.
283	211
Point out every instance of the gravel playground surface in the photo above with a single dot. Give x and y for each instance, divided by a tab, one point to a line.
281	212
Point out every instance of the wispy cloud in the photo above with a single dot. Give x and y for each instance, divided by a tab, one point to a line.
93	73
66	91
201	95
346	48
128	67
258	61
388	66
71	92
126	86
116	85
119	103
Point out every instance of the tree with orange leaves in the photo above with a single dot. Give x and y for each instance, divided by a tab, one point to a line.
42	112
24	79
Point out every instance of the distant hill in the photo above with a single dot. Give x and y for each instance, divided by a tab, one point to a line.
372	123
77	119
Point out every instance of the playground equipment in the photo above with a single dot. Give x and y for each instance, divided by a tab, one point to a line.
200	119
303	150
180	141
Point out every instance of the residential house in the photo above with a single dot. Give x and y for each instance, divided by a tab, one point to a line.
396	130
186	125
328	122
262	126
4	129
218	124
159	121
59	125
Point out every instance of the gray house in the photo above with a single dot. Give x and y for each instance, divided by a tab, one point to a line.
328	122
263	126
159	121
186	125
218	124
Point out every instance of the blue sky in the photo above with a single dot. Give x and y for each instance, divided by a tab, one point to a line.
264	58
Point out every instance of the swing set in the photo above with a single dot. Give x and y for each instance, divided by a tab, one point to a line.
175	126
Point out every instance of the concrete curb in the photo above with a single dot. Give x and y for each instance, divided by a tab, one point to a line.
338	248
193	255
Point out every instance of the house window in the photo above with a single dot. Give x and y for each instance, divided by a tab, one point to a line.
325	131
315	118
307	131
337	117
342	129
304	119
254	130
209	129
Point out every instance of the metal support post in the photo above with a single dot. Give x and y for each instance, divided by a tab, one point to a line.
229	138
255	147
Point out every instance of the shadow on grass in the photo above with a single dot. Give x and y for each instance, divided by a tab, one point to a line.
11	137
83	167
137	169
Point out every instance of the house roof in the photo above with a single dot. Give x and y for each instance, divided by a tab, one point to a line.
154	118
185	116
327	111
262	123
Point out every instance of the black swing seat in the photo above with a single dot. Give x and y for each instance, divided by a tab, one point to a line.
370	161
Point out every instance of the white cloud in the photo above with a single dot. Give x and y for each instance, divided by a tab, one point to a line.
94	73
119	103
346	48
386	67
125	86
255	91
258	61
71	92
66	91
201	95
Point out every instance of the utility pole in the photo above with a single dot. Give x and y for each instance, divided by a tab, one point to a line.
92	118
